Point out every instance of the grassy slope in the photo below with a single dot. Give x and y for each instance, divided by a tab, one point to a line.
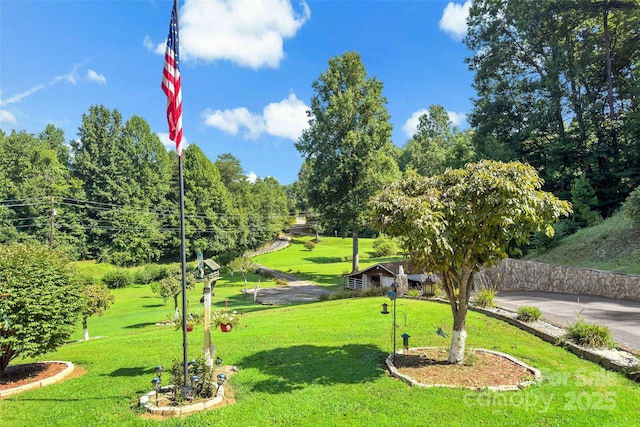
326	264
612	245
315	365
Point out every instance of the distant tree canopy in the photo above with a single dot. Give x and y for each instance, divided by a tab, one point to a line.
112	195
558	86
436	146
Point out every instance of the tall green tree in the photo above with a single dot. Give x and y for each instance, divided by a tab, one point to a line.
210	224
347	144
126	173
436	146
268	213
37	181
463	220
557	86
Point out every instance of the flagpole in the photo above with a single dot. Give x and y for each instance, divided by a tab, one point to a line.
183	250
185	344
171	86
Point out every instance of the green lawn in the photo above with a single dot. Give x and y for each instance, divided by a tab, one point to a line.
314	364
326	264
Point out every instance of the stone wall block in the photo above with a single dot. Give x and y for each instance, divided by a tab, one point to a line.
518	275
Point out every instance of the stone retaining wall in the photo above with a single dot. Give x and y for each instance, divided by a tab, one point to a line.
517	275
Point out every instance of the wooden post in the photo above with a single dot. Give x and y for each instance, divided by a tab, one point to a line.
207	348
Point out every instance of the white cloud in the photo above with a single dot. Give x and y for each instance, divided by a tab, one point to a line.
6	116
457	118
285	119
410	127
148	43
168	143
18	97
96	77
70	77
454	19
252	177
249	33
231	121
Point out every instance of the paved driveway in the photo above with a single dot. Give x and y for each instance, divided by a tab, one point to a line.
621	316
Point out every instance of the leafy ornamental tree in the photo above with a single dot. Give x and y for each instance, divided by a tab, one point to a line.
243	265
463	220
347	145
96	300
39	301
171	287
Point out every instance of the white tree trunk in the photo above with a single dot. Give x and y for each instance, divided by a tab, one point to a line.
85	330
456	353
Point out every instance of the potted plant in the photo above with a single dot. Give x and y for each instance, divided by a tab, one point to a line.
225	319
192	320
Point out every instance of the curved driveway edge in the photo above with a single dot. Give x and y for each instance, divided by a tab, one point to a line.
621	316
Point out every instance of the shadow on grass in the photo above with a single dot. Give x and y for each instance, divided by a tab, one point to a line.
324	260
293	368
139	325
154	305
132	372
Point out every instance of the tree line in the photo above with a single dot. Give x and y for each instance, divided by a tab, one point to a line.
112	195
557	87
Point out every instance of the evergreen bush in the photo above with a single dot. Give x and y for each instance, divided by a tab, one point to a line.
118	278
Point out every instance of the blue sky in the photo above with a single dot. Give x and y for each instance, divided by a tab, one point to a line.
247	66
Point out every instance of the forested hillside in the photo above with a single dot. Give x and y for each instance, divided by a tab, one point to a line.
113	195
557	86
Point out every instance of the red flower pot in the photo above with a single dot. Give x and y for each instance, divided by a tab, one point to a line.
189	328
226	327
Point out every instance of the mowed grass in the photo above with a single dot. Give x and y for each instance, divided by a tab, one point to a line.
326	264
317	364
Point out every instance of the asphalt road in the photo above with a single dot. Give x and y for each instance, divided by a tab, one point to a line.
621	316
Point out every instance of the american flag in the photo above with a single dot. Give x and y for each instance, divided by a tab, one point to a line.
171	82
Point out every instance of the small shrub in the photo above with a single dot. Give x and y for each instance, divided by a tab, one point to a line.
150	273
206	387
590	335
374	292
485	298
309	244
281	282
438	290
118	278
470	359
384	246
413	293
338	295
528	313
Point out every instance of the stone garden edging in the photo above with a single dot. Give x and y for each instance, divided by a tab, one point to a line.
146	402
39	384
536	373
616	360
